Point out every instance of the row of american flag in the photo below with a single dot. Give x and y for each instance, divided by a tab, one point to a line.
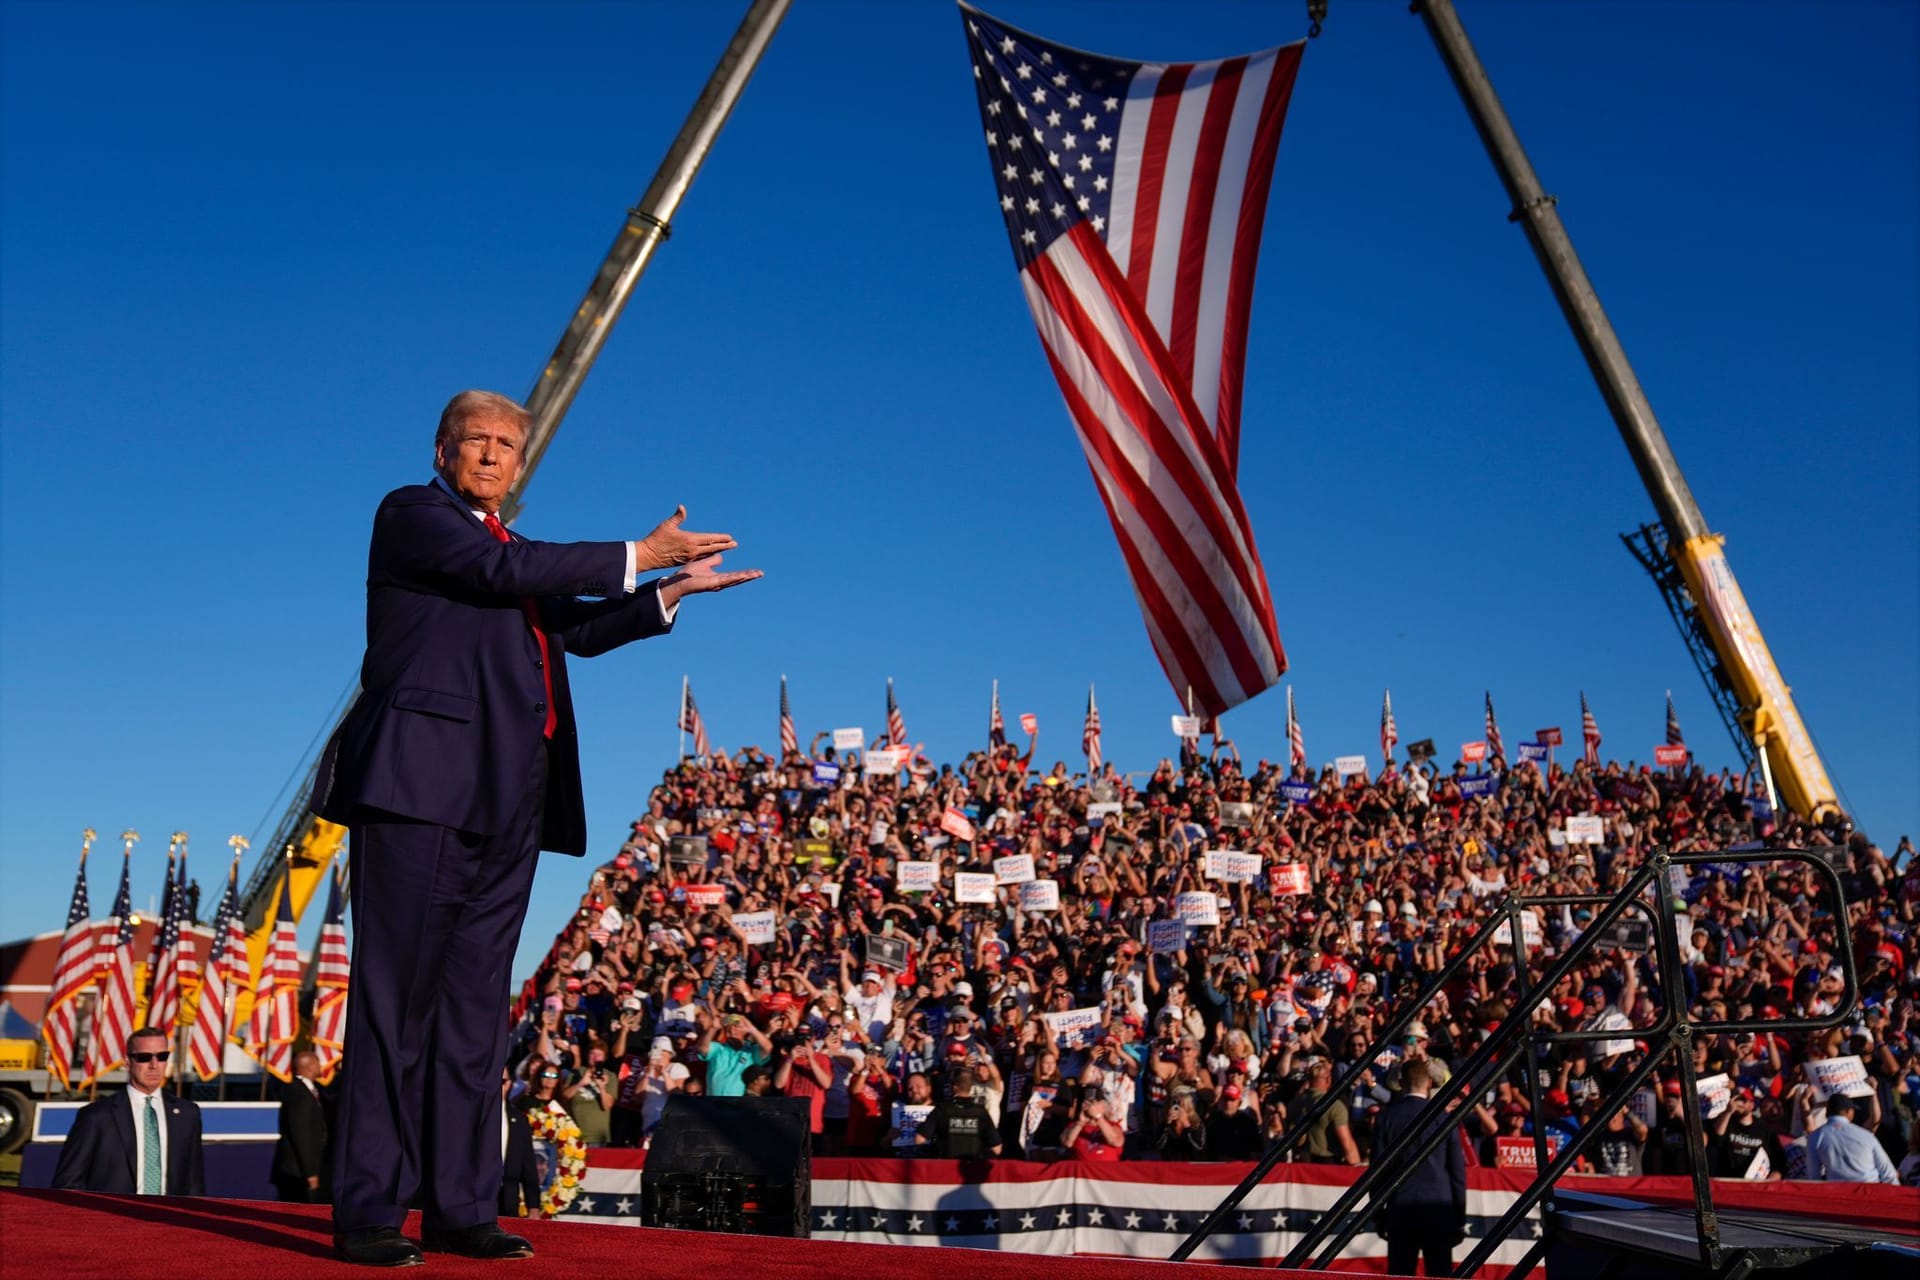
895	735
95	986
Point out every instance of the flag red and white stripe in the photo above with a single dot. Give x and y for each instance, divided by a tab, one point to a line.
1090	735
1134	195
276	1001
225	977
163	997
789	737
1494	744
1296	740
72	978
113	1010
1589	732
996	725
1389	731
1675	738
896	723
690	721
331	973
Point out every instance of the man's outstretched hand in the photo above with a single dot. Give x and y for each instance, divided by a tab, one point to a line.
669	545
701	575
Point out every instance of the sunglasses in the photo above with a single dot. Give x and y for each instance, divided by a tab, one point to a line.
549	1075
161	1056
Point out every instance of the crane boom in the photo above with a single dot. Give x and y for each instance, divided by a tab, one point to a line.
304	846
1745	673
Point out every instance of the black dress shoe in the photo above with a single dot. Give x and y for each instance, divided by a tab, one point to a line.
486	1241
377	1247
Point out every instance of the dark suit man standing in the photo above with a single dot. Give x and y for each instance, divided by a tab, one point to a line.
303	1132
1426	1216
520	1173
140	1142
456	765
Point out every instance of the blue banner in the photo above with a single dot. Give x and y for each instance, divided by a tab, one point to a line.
1533	751
826	774
1477	788
1296	792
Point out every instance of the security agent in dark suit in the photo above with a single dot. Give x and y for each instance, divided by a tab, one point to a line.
299	1157
456	765
1427	1215
140	1142
520	1175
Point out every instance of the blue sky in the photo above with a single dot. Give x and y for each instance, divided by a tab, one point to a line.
249	251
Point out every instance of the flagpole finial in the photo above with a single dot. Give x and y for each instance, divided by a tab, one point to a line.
178	840
87	837
132	838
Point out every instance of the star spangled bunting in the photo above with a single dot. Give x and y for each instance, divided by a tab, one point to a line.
331	974
226	975
896	723
789	737
72	978
1494	744
1090	735
113	1011
1133	194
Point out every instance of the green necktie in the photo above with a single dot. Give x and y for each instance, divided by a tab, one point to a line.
152	1182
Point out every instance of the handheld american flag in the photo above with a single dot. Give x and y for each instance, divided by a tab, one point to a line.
1589	732
1493	730
1296	740
690	721
163	1000
330	985
1090	735
789	737
113	1011
996	726
1389	731
72	978
225	977
1134	193
276	1001
896	723
1674	737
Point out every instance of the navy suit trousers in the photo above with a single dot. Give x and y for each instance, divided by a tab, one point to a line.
437	915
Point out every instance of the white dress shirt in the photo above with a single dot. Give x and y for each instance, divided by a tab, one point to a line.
631	579
137	1103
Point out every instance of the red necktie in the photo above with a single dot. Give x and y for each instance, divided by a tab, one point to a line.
499	531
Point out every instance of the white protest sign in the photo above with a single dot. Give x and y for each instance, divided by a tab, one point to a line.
1288	880
1166	936
1074	1028
956	824
919	877
832	889
1760	1168
1040	895
906	1122
1015	868
1716	1095
849	739
1645	1107
1846	1075
973	886
755	926
1530	929
1029	722
1198	908
1344	765
1231	866
882	761
1586	828
1104	810
1186	726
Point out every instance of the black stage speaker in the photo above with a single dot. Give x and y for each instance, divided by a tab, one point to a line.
730	1164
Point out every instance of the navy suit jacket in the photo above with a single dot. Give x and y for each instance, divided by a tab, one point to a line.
99	1152
1439	1182
452	700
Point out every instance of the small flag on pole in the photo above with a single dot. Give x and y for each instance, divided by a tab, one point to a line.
276	1001
896	723
163	1001
1674	737
1090	735
1389	732
72	977
690	721
113	1012
996	727
789	737
1589	733
225	977
1493	730
330	983
1296	740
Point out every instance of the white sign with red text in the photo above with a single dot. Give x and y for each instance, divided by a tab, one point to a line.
1232	866
1289	880
919	877
1040	895
1199	908
1015	868
974	886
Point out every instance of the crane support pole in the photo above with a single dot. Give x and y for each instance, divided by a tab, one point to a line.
648	223
1537	214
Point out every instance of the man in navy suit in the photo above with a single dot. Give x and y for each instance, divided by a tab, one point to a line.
1427	1215
456	765
140	1142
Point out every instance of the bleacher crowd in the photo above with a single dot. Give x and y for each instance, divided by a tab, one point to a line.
754	935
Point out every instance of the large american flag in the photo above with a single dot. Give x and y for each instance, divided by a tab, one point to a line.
163	997
1589	732
1674	737
331	967
166	908
896	723
72	978
1389	731
1090	735
226	976
113	1011
1133	194
690	721
996	724
1493	730
789	737
276	1001
1296	740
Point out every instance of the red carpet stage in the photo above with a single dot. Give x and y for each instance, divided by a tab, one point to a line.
75	1236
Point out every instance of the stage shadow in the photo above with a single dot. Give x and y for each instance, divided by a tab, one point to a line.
969	1208
183	1212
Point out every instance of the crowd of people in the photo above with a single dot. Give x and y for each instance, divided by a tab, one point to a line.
767	927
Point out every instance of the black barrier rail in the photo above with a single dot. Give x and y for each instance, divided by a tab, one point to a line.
1515	1037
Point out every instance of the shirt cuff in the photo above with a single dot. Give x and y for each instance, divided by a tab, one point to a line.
666	610
632	570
